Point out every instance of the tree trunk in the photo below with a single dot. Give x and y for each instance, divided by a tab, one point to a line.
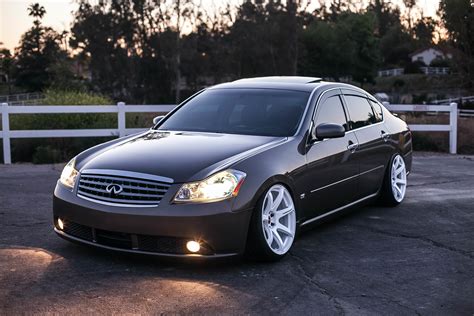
178	54
292	8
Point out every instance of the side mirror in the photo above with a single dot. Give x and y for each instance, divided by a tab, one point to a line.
328	130
157	119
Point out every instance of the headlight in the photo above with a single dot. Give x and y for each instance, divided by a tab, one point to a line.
220	186
69	174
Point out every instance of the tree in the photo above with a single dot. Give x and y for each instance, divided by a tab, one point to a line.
410	5
345	47
130	48
184	13
458	19
396	46
38	53
267	31
387	16
37	11
6	63
424	30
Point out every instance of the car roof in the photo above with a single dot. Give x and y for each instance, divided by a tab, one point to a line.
274	82
297	83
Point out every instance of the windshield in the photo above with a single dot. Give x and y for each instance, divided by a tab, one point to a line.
264	112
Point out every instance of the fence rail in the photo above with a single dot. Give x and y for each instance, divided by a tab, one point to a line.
121	109
448	101
21	98
452	128
466	113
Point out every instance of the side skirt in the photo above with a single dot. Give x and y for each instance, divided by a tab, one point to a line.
309	221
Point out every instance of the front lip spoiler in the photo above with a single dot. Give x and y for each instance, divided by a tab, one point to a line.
158	254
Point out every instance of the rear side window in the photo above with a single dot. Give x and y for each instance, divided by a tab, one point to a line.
332	111
360	111
377	110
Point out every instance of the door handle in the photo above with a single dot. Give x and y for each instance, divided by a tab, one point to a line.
385	136
352	147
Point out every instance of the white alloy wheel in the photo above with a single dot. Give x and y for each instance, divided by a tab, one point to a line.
278	219
398	177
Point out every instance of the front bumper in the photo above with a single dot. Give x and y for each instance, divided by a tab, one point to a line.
162	230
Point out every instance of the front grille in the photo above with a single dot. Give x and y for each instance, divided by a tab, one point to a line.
78	230
148	243
113	239
134	191
161	244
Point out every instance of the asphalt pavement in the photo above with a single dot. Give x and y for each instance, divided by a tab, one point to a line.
417	258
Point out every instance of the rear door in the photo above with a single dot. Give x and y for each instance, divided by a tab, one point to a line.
373	151
332	171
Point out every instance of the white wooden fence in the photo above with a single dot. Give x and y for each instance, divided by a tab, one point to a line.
121	109
452	128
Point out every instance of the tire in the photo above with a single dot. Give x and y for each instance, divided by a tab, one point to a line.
273	225
395	182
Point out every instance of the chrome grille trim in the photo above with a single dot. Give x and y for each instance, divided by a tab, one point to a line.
128	174
139	190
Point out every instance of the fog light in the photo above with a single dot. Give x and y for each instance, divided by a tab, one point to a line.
193	246
60	224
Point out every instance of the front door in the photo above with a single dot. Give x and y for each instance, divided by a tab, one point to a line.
332	171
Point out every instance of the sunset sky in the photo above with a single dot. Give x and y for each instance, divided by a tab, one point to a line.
14	19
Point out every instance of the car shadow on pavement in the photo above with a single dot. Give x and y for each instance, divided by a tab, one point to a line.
60	272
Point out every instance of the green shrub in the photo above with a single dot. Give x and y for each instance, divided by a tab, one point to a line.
40	150
46	154
424	142
58	97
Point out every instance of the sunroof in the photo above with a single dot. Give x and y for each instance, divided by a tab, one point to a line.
282	79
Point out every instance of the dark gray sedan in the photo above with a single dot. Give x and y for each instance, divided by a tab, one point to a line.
237	168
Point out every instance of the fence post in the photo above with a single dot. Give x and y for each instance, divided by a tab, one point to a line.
453	133
7	159
121	119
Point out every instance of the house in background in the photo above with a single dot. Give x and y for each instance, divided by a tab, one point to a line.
428	55
434	60
430	61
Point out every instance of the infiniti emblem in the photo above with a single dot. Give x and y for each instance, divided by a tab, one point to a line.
114	189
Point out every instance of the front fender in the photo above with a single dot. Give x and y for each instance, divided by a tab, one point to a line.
280	164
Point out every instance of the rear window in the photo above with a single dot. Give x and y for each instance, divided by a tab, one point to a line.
377	110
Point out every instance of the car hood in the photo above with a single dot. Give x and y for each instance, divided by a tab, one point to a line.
181	156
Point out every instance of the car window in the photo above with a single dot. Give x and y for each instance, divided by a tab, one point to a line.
266	112
360	111
377	110
332	111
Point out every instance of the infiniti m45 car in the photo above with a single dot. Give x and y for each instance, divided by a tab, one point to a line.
238	168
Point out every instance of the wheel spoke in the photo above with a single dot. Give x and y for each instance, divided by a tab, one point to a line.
284	229
284	212
277	238
399	169
268	206
278	199
401	181
268	234
398	190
